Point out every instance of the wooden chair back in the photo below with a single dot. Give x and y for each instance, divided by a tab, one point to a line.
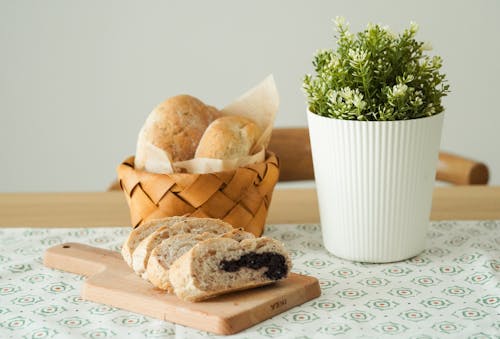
294	151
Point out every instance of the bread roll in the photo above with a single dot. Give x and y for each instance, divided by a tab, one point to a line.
164	254
176	127
140	255
221	265
228	137
140	233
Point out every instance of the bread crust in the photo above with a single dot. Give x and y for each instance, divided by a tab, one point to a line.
136	236
140	255
187	283
228	137
176	127
157	274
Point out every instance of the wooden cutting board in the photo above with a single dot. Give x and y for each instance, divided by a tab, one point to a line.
112	282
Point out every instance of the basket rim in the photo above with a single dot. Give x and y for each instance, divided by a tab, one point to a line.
129	165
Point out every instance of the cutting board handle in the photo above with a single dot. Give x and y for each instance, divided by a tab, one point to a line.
81	259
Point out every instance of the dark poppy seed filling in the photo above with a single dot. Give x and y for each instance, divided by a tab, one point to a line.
275	263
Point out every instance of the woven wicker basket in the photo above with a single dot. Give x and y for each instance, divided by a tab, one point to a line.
240	197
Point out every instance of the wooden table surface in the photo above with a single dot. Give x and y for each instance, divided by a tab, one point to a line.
288	206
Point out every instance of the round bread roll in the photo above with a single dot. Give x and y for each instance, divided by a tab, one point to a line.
228	137
176	127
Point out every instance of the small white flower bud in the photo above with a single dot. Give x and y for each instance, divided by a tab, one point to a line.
426	46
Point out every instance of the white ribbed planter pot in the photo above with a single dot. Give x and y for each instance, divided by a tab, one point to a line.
374	181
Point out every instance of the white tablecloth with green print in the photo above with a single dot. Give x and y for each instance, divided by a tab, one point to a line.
452	290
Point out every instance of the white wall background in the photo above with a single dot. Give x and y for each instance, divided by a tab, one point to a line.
78	78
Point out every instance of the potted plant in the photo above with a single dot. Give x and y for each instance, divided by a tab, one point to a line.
375	119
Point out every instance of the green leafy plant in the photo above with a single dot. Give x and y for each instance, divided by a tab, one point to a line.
376	75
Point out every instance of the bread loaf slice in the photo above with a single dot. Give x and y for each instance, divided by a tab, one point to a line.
170	249
228	137
141	232
141	254
221	265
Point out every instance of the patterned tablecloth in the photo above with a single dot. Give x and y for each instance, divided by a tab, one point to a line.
452	290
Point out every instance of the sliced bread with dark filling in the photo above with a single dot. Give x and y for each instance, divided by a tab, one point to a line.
170	249
222	265
142	252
